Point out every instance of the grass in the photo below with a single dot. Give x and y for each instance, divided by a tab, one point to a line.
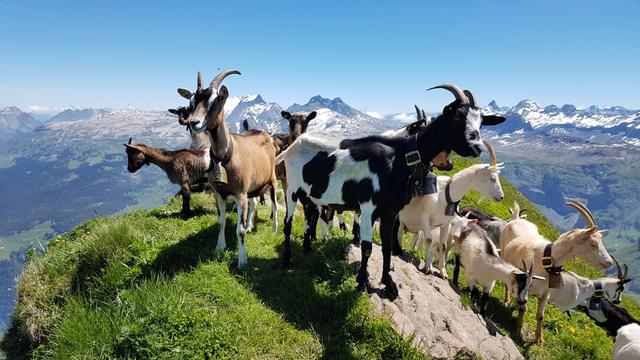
147	284
150	285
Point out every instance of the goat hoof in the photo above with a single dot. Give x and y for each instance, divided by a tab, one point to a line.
364	286
308	250
397	252
390	289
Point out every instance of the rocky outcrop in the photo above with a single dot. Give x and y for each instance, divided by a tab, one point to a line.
428	309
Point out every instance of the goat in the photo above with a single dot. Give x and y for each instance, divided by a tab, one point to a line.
520	240
441	162
608	316
576	290
627	344
182	166
479	257
242	164
374	175
437	209
493	225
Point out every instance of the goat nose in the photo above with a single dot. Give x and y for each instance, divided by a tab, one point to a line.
607	264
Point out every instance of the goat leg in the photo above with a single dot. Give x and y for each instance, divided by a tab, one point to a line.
456	270
241	229
274	204
186	195
397	247
542	303
311	220
388	236
355	230
290	200
221	204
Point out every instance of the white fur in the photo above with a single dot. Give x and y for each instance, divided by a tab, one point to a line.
627	345
423	213
576	290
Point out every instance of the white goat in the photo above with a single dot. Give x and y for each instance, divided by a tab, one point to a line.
483	266
577	290
627	345
521	241
430	211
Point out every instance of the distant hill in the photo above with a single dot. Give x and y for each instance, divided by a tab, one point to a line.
14	122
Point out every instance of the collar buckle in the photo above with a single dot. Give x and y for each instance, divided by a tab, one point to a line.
547	262
412	158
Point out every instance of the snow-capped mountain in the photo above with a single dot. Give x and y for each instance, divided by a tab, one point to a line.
259	113
336	117
14	121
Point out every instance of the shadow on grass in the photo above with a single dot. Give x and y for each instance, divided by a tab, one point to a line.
313	294
186	254
195	211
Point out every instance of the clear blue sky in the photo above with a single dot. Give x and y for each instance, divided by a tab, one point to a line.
376	56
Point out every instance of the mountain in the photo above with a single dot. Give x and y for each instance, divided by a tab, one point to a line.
336	117
15	122
76	114
259	113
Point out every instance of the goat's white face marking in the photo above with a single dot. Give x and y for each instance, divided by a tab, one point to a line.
472	131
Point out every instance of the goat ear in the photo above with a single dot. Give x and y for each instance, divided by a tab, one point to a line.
472	221
626	281
591	230
185	93
173	111
311	115
603	232
488	120
286	114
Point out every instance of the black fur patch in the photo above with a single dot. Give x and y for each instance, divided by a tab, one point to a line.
357	192
317	171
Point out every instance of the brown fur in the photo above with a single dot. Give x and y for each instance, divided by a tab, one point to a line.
250	170
182	167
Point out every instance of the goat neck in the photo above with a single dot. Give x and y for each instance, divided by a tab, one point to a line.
156	156
218	129
461	182
562	250
428	142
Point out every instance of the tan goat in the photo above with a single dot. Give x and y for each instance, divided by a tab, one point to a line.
243	165
521	241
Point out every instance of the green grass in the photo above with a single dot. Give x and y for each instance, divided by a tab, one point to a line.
147	284
150	285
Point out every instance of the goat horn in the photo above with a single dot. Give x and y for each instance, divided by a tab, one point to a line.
472	101
626	271
424	115
199	81
618	267
456	91
129	141
492	154
215	83
584	211
417	112
524	266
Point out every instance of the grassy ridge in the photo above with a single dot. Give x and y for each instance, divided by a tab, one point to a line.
148	284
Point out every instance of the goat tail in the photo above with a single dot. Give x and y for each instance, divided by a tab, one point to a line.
515	211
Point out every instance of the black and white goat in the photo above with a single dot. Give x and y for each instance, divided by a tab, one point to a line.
375	175
609	316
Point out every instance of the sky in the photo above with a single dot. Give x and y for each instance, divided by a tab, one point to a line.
377	57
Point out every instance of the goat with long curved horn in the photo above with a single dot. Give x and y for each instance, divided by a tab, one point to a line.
583	211
215	83
456	91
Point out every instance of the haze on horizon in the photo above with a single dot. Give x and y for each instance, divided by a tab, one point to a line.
376	57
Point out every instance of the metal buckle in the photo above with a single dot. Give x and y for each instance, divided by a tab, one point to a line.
547	262
598	293
412	158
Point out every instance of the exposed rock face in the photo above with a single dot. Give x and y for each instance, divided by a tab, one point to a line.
430	310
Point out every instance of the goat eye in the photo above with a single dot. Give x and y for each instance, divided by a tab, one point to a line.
474	135
594	244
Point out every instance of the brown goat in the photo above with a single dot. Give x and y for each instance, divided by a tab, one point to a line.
182	167
247	160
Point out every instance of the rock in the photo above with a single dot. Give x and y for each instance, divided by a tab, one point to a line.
428	309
